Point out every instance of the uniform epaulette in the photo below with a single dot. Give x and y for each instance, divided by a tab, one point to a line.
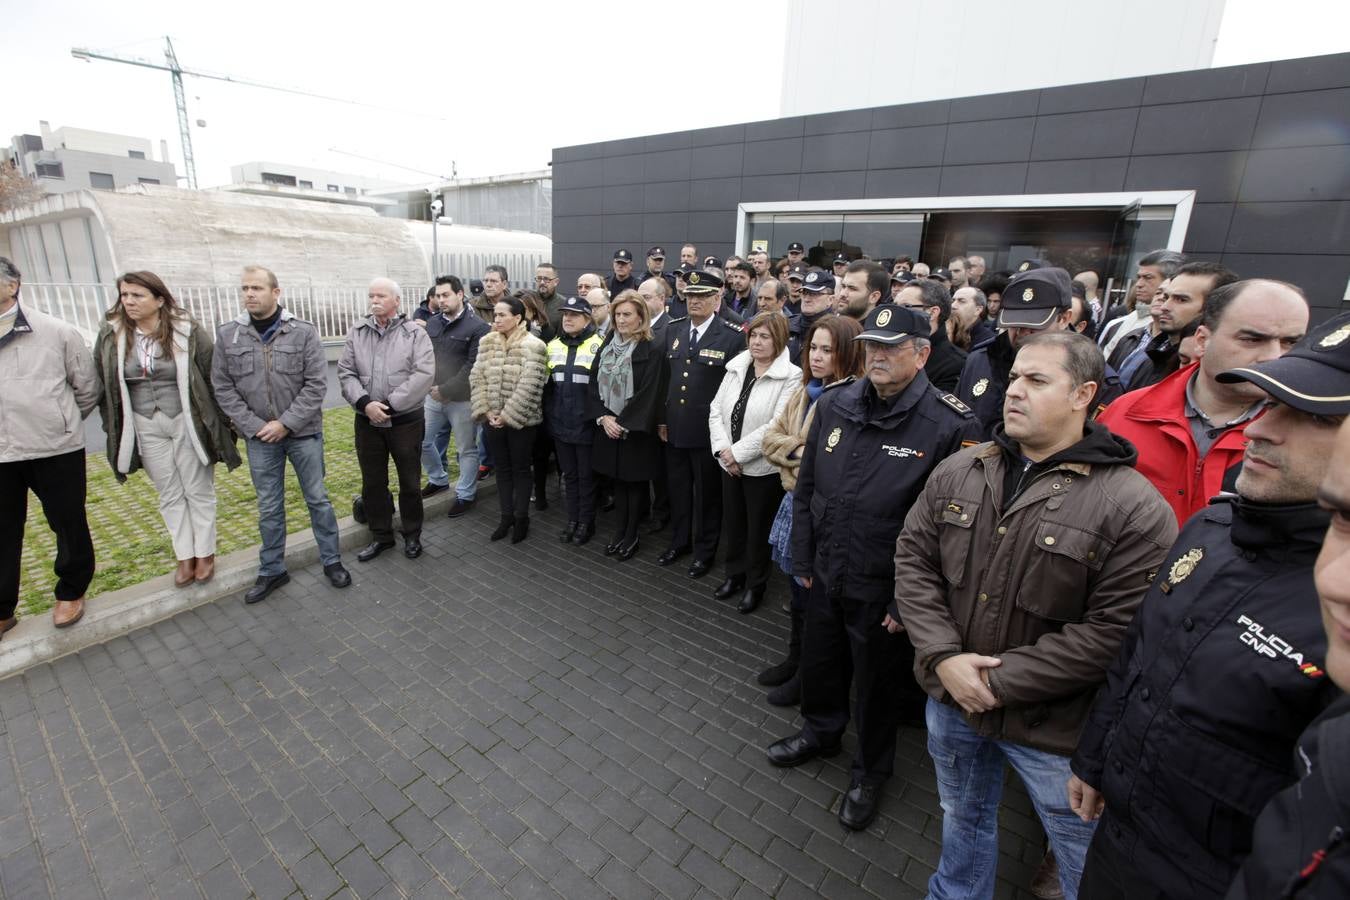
679	318
840	383
955	403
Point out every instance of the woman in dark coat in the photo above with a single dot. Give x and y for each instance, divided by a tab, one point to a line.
626	396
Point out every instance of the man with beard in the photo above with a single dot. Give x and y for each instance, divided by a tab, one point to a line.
971	329
1155	359
930	300
656	264
740	297
495	287
759	259
1224	666
546	286
864	286
622	279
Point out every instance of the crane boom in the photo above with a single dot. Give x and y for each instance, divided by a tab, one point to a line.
180	100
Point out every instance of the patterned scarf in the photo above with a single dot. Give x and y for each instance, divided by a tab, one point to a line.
614	374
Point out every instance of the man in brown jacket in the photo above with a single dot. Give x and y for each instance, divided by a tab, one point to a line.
1016	575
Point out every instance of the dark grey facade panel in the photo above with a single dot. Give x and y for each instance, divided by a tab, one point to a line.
1266	148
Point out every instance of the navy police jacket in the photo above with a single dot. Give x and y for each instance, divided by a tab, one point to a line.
695	378
865	462
1220	673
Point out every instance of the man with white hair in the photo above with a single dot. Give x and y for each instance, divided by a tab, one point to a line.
387	368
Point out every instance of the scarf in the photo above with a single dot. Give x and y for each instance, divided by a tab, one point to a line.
614	374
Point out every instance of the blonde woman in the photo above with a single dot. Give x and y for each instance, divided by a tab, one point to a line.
506	388
159	413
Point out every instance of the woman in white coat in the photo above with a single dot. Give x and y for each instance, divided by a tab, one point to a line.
756	387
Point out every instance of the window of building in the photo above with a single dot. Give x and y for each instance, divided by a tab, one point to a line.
101	180
50	170
335	189
136	154
351	191
274	178
307	184
148	180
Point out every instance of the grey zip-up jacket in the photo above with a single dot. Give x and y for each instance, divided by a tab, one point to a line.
48	384
284	379
396	368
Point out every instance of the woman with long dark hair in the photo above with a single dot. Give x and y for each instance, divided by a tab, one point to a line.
758	383
626	399
159	412
506	388
830	357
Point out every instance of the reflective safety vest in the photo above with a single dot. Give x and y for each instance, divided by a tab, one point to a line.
579	371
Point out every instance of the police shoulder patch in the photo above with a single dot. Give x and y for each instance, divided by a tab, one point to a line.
955	403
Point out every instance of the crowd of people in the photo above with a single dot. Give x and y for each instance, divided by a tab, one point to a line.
1107	546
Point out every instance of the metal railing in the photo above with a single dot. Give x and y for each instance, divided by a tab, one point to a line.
331	309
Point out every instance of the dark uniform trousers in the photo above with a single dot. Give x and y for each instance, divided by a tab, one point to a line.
841	628
695	484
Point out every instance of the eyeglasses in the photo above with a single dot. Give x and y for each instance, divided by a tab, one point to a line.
913	306
544	278
597	305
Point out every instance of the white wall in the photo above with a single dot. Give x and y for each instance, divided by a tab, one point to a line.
97	142
853	54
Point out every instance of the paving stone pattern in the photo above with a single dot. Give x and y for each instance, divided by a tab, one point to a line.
489	720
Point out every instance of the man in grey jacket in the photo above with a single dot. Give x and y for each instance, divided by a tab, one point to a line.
270	376
47	386
387	368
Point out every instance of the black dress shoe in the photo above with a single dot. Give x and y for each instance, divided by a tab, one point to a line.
730	588
338	576
607	503
613	546
656	526
566	534
433	489
860	806
584	532
520	529
698	568
265	585
458	508
372	550
412	547
671	555
502	530
627	551
789	693
750	600
797	749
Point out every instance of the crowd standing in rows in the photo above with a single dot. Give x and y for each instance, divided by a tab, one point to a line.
1105	546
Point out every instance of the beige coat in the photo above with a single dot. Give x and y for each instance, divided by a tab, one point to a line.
47	386
786	436
509	377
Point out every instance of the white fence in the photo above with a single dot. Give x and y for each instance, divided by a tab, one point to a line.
332	309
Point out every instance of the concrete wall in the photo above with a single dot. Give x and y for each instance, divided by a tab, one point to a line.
1266	147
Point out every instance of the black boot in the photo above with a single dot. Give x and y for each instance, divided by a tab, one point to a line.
789	693
502	530
520	529
540	490
777	674
566	534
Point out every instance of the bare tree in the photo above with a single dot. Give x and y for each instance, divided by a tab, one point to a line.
16	189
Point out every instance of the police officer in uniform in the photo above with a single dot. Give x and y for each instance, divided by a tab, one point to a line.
571	364
622	279
1223	666
698	349
870	449
1038	298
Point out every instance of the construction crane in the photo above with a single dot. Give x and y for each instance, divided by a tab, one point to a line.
180	100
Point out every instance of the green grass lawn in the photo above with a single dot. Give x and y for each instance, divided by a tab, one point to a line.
130	541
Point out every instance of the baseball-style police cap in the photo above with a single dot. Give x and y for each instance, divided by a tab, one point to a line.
703	281
623	255
841	258
712	262
904	276
1314	377
891	324
656	253
941	275
818	281
576	305
1033	298
1027	265
797	271
796	247
685	269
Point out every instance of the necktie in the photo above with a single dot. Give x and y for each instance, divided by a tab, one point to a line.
693	341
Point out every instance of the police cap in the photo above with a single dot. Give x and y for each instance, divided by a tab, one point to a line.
1027	265
892	324
622	255
656	253
796	247
1314	377
1033	298
841	259
576	305
818	281
703	281
904	276
797	271
712	262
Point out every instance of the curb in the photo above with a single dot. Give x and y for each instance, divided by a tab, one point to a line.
107	616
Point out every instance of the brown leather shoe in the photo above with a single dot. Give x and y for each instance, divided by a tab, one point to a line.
7	624
206	568
185	572
67	612
1045	883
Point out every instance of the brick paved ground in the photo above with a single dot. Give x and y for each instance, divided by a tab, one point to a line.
474	723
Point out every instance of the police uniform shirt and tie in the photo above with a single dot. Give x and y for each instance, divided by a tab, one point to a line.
697	356
865	461
1220	672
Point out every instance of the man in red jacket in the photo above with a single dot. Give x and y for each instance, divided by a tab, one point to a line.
1189	427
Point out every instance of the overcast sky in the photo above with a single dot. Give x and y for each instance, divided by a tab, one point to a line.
500	83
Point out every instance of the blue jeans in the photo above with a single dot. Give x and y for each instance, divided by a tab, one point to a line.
970	785
443	419
267	467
